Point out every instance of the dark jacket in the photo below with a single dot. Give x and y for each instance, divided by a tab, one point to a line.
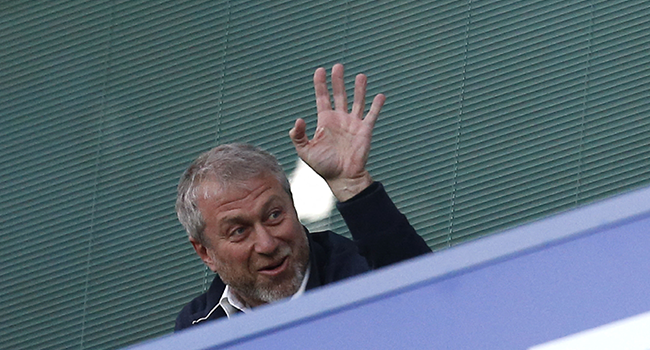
381	236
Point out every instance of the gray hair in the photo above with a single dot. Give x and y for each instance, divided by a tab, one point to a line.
225	164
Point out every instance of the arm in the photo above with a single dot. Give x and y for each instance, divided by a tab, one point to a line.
382	234
339	152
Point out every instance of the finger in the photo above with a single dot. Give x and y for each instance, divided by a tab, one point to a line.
359	95
373	114
338	88
298	135
320	88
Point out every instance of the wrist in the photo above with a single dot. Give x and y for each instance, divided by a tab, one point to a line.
346	188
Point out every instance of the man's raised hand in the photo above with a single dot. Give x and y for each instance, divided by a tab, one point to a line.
339	149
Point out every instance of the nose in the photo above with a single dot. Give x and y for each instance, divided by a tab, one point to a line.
265	242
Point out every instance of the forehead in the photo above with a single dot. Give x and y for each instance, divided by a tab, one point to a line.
215	196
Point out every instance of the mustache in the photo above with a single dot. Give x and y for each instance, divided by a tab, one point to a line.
275	259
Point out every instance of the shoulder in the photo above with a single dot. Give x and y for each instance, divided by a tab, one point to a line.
203	307
336	257
185	317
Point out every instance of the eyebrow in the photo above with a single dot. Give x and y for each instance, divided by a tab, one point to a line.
237	219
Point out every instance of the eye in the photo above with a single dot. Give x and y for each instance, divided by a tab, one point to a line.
237	233
275	215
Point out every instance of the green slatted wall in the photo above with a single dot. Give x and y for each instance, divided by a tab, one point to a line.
498	113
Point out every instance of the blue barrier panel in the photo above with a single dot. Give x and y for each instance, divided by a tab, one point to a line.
524	287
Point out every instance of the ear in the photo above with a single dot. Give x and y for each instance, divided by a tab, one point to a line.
202	252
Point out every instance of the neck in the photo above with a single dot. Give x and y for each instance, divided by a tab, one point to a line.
249	302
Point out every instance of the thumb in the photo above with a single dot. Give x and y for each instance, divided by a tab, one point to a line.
298	134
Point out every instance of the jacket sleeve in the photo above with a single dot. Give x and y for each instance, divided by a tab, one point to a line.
383	234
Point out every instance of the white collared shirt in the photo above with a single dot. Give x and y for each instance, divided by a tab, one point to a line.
232	305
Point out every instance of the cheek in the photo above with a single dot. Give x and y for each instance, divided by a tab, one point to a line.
233	258
296	234
292	224
289	230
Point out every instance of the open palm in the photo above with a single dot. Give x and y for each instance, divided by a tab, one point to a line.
339	149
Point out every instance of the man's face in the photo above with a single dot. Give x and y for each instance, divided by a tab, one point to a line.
253	239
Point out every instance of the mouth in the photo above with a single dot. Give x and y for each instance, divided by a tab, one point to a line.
275	268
